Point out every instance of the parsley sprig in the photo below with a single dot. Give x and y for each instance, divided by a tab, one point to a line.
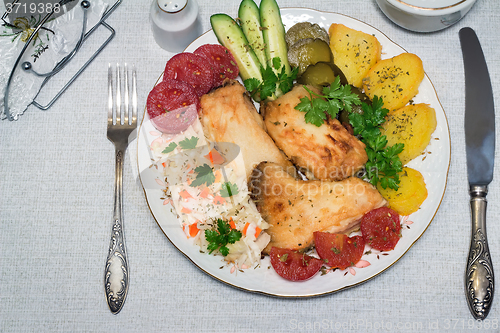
187	143
334	98
273	81
383	162
170	148
228	190
204	175
218	239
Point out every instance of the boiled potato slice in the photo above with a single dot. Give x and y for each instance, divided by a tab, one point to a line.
410	195
354	52
411	125
396	80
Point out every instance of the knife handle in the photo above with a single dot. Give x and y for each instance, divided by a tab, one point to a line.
479	278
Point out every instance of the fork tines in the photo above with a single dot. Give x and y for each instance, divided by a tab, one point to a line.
116	113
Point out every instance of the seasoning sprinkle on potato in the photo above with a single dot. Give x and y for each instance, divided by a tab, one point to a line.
354	52
411	125
395	80
411	193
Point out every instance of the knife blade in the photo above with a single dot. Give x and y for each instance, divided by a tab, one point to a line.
480	151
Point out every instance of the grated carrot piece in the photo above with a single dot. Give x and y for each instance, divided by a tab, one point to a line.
215	157
193	229
218	176
245	228
218	200
185	195
257	230
205	192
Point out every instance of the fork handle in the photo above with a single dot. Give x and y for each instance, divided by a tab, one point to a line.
116	278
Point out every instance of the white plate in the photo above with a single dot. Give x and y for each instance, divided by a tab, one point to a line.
433	166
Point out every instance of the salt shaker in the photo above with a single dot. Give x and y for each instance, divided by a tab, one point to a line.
175	23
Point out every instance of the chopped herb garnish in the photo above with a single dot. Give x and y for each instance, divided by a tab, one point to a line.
383	162
170	148
228	189
271	81
218	239
205	175
189	143
334	98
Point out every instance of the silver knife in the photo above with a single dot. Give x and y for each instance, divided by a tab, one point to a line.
480	149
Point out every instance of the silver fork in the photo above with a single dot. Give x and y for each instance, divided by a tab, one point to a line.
122	124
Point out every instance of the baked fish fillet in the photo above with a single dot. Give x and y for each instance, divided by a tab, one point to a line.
297	208
327	152
228	115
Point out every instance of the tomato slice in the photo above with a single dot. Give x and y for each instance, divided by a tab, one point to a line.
192	69
339	250
293	265
223	63
381	228
172	106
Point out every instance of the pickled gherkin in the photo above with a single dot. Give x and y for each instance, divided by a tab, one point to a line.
344	114
305	30
308	52
321	74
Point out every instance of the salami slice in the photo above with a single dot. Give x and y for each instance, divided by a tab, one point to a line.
191	68
223	63
172	106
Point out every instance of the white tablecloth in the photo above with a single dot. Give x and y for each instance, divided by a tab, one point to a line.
56	189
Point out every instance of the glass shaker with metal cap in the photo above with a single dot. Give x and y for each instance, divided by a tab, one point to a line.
175	23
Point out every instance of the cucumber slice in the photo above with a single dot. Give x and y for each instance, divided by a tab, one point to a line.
274	34
250	24
231	36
